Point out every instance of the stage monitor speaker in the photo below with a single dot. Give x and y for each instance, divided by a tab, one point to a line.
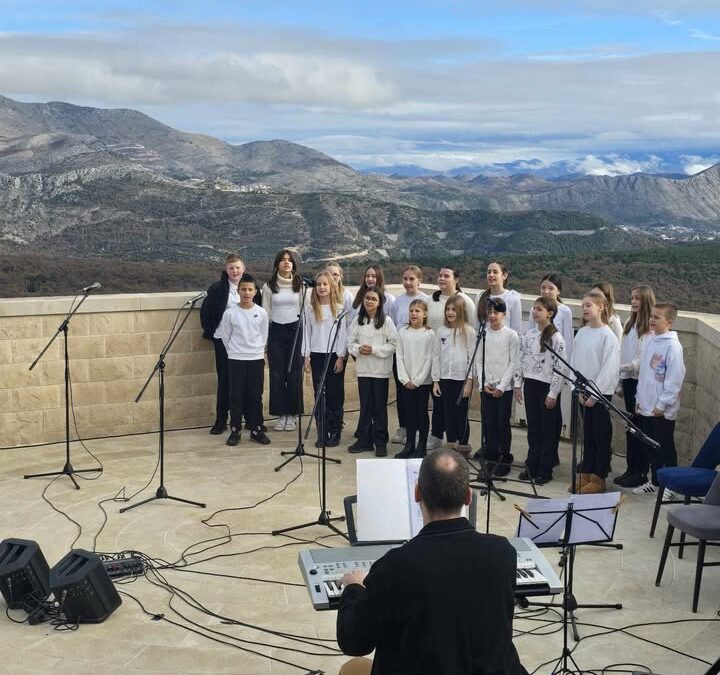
24	574
83	588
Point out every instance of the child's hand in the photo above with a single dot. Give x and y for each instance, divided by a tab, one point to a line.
365	350
497	393
436	389
518	394
550	403
589	402
307	364
489	389
339	364
658	413
467	389
409	385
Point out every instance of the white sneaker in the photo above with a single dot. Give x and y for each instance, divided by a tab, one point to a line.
645	489
434	442
290	423
281	422
400	436
668	495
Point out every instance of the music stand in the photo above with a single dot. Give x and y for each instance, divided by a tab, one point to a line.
579	519
68	469
320	400
159	367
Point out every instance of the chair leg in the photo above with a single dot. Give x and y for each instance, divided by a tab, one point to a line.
698	573
681	548
656	512
664	554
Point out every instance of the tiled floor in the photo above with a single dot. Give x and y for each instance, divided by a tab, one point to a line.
200	467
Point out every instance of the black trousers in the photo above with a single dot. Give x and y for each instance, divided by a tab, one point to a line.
662	431
597	439
400	405
416	412
635	455
373	421
333	390
457	428
542	428
222	399
496	420
246	391
438	416
285	387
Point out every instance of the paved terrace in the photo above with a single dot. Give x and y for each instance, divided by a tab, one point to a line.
114	345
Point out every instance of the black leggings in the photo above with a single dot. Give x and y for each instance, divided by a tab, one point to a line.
496	419
285	388
542	428
373	422
597	439
456	414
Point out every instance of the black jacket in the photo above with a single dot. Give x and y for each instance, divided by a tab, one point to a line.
214	305
440	605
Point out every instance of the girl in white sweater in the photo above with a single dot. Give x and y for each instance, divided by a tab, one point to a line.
495	366
416	343
497	276
321	329
613	320
373	340
597	357
454	344
541	386
635	333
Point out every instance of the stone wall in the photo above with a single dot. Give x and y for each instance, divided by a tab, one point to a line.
115	341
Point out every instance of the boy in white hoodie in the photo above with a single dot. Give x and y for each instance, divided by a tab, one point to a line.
662	372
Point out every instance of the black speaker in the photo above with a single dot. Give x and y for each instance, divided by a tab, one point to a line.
24	573
83	588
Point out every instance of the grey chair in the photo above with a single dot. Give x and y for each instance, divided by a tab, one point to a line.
700	521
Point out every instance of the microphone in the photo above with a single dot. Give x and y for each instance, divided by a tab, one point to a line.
308	281
91	287
342	315
199	296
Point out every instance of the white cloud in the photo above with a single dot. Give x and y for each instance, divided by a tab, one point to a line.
702	35
693	164
615	165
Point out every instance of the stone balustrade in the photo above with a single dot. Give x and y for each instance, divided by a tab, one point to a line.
114	342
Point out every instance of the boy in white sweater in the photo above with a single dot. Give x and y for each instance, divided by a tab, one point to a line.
244	330
662	372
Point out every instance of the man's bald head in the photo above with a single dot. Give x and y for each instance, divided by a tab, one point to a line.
444	482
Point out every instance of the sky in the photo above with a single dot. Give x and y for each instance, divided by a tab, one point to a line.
611	85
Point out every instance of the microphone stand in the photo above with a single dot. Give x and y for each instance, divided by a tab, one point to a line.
68	469
162	492
300	447
321	400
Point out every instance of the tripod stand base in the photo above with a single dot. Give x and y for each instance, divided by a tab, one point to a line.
67	470
163	494
300	452
323	519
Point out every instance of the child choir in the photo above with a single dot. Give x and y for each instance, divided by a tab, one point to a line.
427	345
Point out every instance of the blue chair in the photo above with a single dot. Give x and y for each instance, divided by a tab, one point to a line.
700	521
692	481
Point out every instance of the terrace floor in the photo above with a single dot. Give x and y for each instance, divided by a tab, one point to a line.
231	480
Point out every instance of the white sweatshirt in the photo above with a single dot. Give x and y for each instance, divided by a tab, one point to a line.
662	372
283	306
630	350
436	309
616	326
452	354
383	342
502	358
513	316
318	335
538	365
244	332
563	321
597	357
415	355
400	311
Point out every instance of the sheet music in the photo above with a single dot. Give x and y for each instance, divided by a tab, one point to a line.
546	523
591	526
383	508
416	517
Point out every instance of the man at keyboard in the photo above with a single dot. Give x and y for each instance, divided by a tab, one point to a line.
442	604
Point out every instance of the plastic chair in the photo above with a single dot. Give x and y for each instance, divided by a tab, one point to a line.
701	521
693	481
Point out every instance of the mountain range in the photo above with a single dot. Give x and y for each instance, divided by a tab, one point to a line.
88	181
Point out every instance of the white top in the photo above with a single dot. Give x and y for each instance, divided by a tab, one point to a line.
347	299
400	311
662	372
563	321
452	354
513	316
283	306
244	332
630	350
616	326
538	365
383	342
436	310
318	335
388	302
597	356
415	354
502	358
